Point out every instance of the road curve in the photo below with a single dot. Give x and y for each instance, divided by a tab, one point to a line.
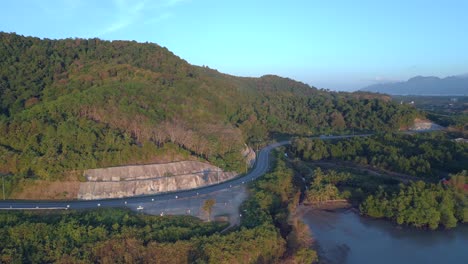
260	168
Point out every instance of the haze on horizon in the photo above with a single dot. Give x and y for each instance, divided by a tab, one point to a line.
339	45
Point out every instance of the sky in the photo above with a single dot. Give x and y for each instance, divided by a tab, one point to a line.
332	44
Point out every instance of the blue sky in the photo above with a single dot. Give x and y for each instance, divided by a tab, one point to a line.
331	44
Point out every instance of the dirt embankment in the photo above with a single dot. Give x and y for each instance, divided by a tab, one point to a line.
123	181
66	189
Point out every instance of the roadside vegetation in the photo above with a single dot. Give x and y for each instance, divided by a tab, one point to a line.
272	203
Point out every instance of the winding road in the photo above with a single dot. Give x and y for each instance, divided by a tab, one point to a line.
260	168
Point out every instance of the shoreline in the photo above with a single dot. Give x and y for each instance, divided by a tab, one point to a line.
305	208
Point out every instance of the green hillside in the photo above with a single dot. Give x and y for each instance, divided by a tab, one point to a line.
75	104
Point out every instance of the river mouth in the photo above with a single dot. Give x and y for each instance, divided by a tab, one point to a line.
343	236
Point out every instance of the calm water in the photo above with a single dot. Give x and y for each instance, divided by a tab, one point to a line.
345	237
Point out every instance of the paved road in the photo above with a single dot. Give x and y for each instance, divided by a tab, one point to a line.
261	167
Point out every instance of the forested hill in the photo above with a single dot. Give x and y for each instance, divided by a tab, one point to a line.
82	103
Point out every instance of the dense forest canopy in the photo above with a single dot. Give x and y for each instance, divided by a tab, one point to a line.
420	155
83	103
420	205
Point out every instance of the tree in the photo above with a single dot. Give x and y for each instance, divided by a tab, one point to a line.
319	190
337	120
459	180
418	204
305	256
208	207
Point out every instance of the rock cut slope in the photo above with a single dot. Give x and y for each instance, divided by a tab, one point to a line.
127	181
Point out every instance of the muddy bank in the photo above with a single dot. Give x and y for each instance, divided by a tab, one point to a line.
303	209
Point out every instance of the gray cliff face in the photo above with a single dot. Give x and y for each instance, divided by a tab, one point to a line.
125	181
249	155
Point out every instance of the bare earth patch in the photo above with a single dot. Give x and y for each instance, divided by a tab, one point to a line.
47	190
424	124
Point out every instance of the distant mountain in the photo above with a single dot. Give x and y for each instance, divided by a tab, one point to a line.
419	85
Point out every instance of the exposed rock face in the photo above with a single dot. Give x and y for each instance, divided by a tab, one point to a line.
127	181
249	155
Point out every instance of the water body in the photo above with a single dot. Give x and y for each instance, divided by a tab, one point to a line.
345	237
